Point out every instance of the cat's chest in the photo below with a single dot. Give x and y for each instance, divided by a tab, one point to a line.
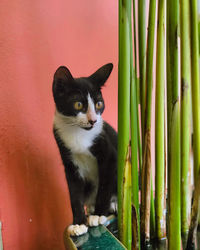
87	165
79	143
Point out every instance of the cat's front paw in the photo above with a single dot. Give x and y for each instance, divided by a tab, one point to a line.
76	230
95	220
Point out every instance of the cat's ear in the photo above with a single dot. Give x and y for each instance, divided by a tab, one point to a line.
63	74
101	75
61	77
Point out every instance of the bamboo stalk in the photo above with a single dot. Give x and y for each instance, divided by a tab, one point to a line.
142	58
194	215
137	89
195	88
174	234
169	111
195	85
152	213
134	138
185	114
123	116
159	124
126	201
146	168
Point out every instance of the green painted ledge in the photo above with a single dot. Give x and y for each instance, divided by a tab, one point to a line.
97	238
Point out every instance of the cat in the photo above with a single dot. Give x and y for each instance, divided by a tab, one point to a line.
87	145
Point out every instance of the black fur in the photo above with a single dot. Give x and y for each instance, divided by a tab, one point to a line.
104	147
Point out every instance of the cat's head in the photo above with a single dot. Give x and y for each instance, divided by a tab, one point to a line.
80	100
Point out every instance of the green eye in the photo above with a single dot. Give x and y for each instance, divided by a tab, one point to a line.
78	105
99	105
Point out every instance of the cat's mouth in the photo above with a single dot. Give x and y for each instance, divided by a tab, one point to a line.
87	128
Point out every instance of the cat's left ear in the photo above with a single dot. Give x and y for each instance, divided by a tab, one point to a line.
101	75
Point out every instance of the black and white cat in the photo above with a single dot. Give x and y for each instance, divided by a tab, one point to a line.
88	146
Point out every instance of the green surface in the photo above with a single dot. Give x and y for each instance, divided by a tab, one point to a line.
98	238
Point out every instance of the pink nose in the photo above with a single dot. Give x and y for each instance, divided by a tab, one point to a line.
92	122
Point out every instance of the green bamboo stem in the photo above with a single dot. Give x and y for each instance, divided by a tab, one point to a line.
195	88
152	213
174	234
142	64
159	124
142	58
194	215
134	159
169	115
195	85
146	168
127	191
185	114
134	134
123	116
137	89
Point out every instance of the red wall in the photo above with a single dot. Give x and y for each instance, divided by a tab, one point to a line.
35	38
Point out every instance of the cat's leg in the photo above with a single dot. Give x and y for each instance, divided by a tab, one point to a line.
105	204
79	219
97	215
92	220
107	186
77	203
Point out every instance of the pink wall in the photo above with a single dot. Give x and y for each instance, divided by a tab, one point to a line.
35	38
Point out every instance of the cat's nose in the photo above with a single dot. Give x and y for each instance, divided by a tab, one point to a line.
92	122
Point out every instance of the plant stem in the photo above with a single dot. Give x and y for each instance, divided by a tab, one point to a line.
123	115
142	58
146	168
138	90
195	88
159	124
185	114
195	85
134	137
194	215
174	233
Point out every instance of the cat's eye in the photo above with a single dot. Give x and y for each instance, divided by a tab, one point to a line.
99	105
78	105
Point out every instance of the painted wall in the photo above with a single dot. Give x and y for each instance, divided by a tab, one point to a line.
35	38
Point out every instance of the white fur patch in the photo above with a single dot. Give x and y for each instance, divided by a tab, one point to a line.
74	137
79	140
113	205
76	230
88	169
91	112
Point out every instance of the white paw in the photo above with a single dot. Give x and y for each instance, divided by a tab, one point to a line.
95	220
102	220
76	230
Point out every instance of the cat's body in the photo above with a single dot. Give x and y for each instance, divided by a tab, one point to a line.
87	144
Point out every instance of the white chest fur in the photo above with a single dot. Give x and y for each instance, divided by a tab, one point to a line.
79	141
87	164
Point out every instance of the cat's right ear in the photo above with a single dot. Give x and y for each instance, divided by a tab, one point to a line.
61	77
